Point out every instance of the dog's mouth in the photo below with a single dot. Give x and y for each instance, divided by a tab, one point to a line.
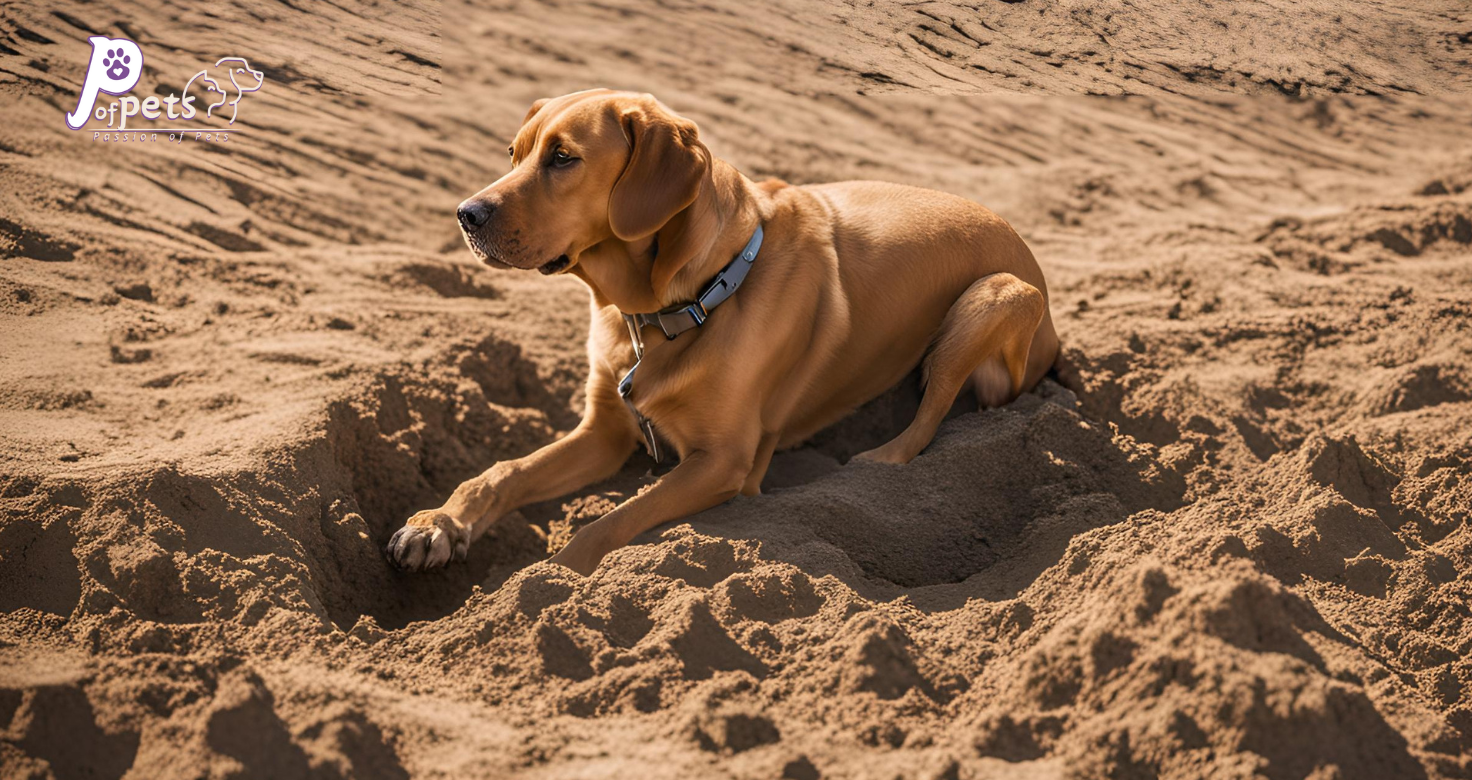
495	255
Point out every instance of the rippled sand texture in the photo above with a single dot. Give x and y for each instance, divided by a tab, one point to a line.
1230	539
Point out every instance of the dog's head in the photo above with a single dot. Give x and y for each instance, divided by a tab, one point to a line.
242	76
586	167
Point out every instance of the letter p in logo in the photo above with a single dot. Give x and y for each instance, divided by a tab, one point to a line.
114	68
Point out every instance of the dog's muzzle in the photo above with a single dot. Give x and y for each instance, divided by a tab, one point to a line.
474	214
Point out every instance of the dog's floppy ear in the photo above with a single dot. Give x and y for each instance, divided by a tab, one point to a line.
666	166
537	106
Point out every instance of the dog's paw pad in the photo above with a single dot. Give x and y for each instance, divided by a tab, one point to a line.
427	541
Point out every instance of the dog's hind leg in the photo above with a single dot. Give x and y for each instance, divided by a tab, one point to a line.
989	331
993	384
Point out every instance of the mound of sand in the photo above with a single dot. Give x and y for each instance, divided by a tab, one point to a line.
1230	539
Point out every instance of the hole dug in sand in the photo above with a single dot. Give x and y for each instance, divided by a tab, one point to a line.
406	441
162	553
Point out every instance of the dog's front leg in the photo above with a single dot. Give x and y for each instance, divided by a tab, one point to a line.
702	480
593	451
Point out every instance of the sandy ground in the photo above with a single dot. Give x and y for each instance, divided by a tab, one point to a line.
1230	539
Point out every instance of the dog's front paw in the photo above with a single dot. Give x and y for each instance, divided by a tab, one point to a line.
430	538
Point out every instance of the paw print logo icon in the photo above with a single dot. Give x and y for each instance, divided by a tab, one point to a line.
116	63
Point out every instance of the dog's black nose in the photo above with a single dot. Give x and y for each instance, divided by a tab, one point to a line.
473	213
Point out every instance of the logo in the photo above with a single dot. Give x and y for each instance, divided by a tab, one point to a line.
238	71
114	69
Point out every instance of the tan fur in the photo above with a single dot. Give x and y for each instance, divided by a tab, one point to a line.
855	284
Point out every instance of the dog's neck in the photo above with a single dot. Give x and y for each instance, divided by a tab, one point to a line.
673	265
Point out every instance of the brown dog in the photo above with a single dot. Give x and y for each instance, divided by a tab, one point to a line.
853	284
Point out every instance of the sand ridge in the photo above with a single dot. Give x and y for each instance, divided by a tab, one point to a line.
1229	539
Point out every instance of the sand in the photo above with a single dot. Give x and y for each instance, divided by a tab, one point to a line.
1230	538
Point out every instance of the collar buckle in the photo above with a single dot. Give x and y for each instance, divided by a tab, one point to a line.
674	321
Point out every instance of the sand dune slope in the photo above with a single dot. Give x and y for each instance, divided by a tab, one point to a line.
1229	539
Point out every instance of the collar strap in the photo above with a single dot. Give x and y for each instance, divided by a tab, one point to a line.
678	319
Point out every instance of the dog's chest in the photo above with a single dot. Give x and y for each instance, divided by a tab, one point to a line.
644	382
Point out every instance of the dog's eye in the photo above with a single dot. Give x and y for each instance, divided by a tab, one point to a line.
510	151
561	158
